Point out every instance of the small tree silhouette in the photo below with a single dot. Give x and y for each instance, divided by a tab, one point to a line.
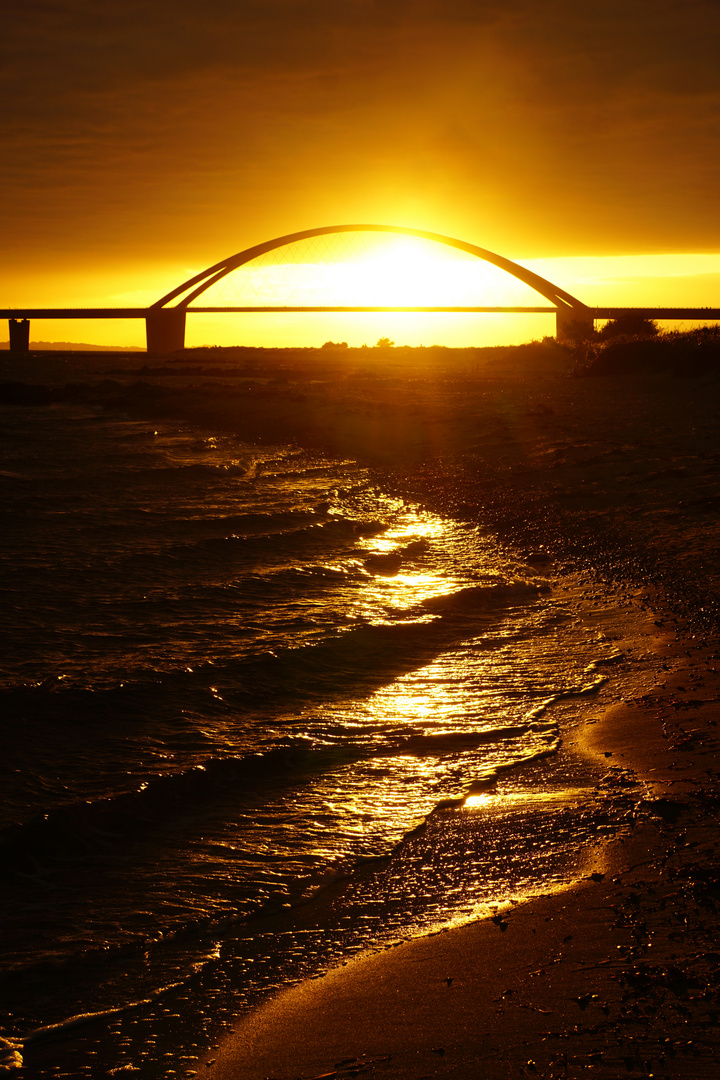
631	324
384	343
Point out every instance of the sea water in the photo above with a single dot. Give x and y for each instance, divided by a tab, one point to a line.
233	675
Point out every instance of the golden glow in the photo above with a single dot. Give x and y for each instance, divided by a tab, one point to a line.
374	270
683	280
368	269
307	331
626	280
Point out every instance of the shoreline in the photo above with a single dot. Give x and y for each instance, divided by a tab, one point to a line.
617	972
324	912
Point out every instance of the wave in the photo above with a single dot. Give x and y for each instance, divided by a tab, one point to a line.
88	826
455	742
72	831
249	524
244	541
251	470
346	661
181	473
497	594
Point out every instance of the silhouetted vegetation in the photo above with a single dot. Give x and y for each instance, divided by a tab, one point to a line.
631	324
682	354
577	331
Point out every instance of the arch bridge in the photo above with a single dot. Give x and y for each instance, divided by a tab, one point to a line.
165	321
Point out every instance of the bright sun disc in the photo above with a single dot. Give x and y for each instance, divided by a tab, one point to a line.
369	270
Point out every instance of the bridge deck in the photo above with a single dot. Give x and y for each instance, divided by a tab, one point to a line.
165	326
143	313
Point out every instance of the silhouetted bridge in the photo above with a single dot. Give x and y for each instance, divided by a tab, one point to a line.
165	325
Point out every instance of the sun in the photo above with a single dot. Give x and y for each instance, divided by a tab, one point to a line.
368	270
406	274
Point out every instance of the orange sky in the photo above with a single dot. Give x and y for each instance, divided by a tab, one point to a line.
145	140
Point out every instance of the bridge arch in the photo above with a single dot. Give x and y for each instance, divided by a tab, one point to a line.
166	325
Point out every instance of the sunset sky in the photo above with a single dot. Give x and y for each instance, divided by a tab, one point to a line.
146	139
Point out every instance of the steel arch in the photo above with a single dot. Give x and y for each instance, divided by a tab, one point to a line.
563	300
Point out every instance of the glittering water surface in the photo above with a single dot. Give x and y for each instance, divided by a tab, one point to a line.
231	674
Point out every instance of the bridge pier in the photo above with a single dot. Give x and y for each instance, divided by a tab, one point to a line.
165	330
574	324
19	335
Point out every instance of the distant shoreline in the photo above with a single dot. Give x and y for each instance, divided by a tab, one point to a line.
71	346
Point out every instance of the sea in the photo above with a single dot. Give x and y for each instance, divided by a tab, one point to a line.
253	709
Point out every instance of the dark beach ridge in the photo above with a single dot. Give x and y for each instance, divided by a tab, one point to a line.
561	921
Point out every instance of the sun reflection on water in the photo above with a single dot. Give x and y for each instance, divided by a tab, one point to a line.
446	674
402	593
416	525
511	800
456	680
398	584
406	565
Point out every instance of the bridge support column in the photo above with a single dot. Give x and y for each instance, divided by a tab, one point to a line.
165	330
19	335
574	324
